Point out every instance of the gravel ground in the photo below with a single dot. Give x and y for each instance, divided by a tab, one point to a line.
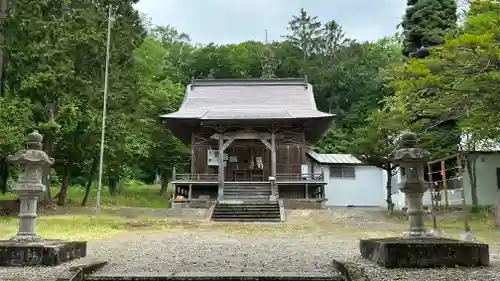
215	251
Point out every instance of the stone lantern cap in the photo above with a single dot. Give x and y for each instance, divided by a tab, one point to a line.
408	152
33	155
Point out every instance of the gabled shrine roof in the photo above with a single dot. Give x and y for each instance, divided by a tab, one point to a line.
222	99
248	101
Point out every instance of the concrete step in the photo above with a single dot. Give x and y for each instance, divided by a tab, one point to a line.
245	211
248	205
247	191
207	276
247	219
243	197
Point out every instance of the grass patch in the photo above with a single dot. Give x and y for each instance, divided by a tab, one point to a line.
8	196
68	227
452	224
85	227
131	194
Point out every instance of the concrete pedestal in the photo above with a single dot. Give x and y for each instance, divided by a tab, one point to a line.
397	252
40	253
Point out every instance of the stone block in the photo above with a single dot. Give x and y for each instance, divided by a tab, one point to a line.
40	253
428	252
210	276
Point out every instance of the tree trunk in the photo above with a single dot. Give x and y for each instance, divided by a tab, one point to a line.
46	198
4	174
496	215
112	186
90	180
63	192
388	190
471	170
164	183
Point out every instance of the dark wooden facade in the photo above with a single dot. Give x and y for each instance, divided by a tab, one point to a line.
289	158
241	165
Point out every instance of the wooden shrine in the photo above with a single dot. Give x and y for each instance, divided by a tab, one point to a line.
247	133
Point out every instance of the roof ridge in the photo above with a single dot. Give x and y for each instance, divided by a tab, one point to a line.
250	82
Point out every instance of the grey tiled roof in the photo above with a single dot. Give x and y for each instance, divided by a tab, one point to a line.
248	99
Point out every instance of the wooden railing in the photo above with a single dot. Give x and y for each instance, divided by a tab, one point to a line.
196	177
279	177
299	177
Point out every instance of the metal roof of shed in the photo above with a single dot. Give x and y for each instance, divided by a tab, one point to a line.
334	158
468	143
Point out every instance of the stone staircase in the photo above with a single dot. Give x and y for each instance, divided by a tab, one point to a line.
251	191
247	211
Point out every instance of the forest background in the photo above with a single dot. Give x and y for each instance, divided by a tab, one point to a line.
439	76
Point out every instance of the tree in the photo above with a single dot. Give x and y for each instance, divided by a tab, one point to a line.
373	143
426	23
333	38
269	63
305	33
365	129
456	82
15	118
164	152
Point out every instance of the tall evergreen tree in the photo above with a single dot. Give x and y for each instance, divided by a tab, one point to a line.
333	37
305	33
425	24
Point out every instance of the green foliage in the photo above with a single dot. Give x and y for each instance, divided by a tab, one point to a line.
426	23
457	82
55	70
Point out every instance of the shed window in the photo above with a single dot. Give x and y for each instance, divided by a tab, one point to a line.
343	172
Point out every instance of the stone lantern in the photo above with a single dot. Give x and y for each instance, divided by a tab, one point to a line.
416	248
29	187
26	248
412	160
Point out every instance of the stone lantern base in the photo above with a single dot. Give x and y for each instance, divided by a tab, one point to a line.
425	252
40	253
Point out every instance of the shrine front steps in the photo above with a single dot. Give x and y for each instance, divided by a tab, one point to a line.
252	191
247	211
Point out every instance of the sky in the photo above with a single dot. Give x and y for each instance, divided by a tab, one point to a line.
235	21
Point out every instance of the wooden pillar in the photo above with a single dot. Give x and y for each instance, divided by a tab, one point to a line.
193	156
445	184
274	186
273	154
303	149
465	210
220	191
307	191
433	196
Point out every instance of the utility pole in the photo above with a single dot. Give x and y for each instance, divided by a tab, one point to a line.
3	16
104	109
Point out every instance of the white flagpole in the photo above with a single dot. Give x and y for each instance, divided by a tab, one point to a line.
104	108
